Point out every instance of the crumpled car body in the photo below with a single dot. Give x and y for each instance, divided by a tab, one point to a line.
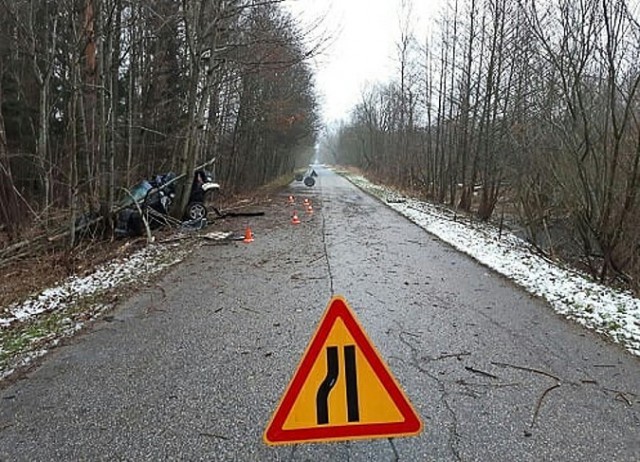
155	198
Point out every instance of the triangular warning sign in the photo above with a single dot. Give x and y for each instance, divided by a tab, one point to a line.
342	389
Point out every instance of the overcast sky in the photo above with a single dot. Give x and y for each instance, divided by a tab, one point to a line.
362	48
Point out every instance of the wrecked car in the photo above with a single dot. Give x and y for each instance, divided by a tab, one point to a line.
153	199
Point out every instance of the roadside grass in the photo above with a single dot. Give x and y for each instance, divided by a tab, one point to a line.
21	343
84	300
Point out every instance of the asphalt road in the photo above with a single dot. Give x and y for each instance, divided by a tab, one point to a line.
195	370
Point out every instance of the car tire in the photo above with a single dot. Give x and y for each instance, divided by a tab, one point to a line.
196	211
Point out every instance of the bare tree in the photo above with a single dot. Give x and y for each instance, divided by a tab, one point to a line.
99	93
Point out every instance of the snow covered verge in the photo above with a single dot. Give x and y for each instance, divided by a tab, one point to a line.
29	328
610	312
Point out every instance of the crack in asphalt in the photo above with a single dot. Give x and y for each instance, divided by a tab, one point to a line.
454	436
396	456
326	252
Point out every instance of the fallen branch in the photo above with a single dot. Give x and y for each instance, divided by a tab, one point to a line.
622	395
318	258
411	334
452	355
536	410
528	369
19	245
478	371
464	383
539	403
15	257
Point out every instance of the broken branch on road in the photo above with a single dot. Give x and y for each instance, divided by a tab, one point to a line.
528	369
458	356
539	403
479	372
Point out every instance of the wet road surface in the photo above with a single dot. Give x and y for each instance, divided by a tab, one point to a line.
195	370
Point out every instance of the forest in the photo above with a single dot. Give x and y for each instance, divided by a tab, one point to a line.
98	94
521	111
516	110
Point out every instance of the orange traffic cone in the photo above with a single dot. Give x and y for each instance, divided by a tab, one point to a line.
294	219
292	200
309	209
248	235
307	202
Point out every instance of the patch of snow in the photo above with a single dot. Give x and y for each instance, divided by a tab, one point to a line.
139	265
48	341
24	361
613	313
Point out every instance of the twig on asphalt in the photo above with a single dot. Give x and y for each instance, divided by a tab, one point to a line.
316	259
612	390
536	410
478	371
411	334
452	355
464	383
528	369
249	310
622	397
301	277
539	403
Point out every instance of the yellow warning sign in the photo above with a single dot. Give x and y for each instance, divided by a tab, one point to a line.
342	389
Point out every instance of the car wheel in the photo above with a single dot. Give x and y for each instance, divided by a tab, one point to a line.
196	211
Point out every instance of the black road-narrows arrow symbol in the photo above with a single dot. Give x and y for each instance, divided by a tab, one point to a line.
322	397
